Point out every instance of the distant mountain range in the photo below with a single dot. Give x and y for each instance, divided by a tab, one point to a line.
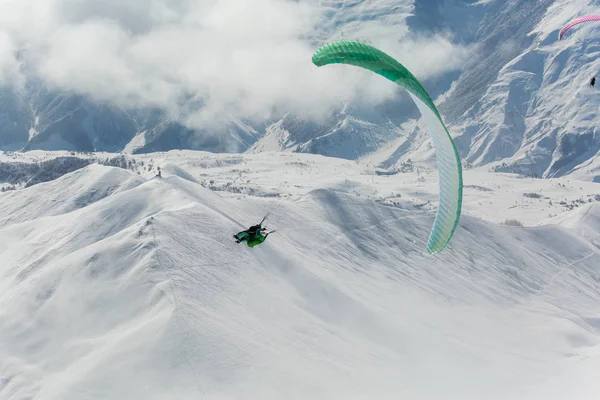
520	103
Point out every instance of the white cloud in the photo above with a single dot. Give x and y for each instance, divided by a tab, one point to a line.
436	55
241	58
10	67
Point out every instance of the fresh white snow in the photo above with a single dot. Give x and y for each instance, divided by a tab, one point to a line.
119	285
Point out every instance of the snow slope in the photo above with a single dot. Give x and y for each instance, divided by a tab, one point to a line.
130	286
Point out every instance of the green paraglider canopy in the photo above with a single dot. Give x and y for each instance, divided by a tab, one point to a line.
448	160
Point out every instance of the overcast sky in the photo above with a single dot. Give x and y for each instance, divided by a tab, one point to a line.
240	58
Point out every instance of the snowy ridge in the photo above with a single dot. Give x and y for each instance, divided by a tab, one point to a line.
118	285
92	183
346	137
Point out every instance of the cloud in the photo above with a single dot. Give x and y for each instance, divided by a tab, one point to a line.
243	58
437	55
10	66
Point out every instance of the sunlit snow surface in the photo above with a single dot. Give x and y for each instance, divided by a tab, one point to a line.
115	285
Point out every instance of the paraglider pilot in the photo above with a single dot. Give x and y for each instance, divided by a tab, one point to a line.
253	236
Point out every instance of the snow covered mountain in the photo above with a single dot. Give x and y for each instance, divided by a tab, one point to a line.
60	121
514	97
117	284
528	108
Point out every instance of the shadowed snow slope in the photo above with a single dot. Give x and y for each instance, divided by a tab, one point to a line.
117	287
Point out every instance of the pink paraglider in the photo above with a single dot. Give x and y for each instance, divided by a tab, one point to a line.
577	21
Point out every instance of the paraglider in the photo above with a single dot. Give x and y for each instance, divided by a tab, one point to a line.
254	235
449	164
577	21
